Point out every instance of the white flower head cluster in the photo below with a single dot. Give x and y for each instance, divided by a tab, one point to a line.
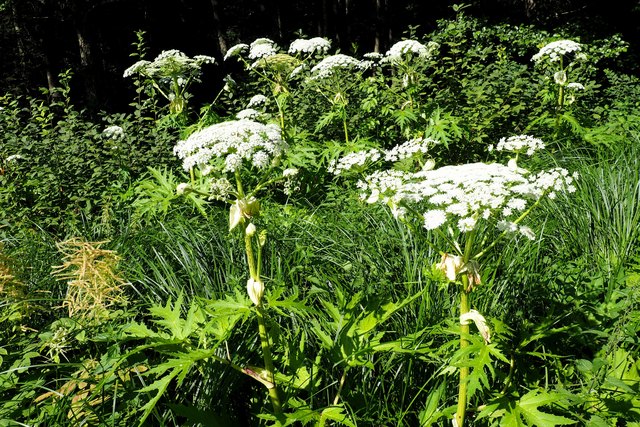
410	48
290	183
229	144
136	68
463	195
257	101
575	86
518	144
249	114
330	64
360	159
409	149
236	50
354	160
310	46
555	51
169	63
262	48
373	56
114	132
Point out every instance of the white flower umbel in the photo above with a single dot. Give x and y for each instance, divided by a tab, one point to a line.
236	50
575	86
311	46
114	132
463	196
262	48
329	65
520	144
248	114
257	101
352	160
410	48
226	146
361	159
555	51
136	68
410	149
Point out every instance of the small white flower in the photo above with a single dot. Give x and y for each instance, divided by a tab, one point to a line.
434	219
354	160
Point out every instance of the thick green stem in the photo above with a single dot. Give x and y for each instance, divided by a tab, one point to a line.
265	345
268	364
464	370
250	259
464	331
344	125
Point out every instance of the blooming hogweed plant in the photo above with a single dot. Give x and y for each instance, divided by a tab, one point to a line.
171	73
470	206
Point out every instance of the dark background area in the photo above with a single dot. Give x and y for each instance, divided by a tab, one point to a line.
41	38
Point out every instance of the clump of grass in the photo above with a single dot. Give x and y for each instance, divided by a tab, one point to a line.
93	284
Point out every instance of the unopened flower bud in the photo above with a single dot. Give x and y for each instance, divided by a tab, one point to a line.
262	238
182	187
255	289
250	230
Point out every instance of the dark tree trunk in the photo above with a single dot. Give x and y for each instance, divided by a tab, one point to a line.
17	29
382	28
217	22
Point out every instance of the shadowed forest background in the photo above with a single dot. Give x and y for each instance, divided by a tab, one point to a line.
41	38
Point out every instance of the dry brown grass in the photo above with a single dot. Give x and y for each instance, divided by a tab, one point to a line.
91	274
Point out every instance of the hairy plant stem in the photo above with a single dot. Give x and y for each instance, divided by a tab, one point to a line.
464	331
268	376
268	364
344	125
464	370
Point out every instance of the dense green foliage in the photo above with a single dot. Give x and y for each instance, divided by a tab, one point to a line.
364	330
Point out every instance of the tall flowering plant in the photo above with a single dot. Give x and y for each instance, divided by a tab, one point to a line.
559	59
470	206
277	68
236	160
171	73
